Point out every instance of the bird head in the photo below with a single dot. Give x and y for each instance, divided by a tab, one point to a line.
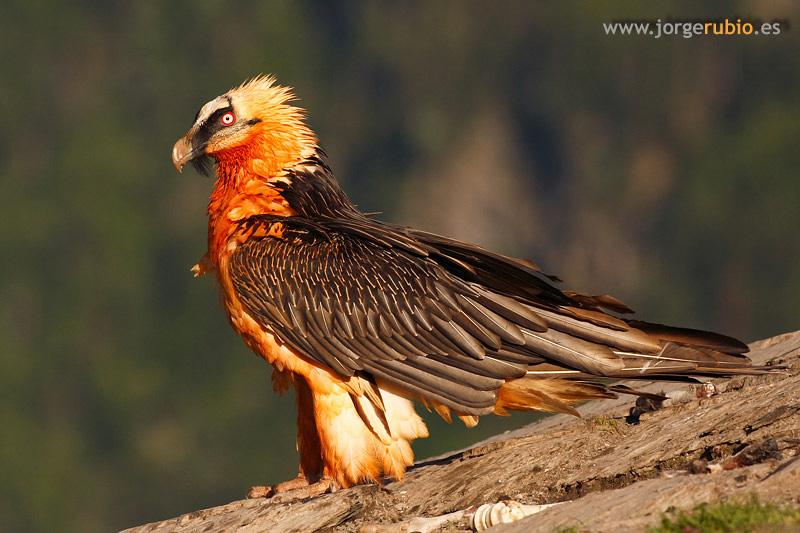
253	126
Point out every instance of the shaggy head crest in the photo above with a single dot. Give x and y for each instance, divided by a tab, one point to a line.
252	122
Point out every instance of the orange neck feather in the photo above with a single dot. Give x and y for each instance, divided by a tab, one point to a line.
244	173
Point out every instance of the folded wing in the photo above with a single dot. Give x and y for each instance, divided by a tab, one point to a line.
445	320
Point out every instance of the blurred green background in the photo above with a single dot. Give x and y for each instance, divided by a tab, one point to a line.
661	171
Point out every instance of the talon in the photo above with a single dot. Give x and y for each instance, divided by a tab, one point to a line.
298	488
311	490
260	491
293	484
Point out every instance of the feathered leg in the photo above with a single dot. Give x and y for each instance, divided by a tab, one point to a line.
349	448
364	434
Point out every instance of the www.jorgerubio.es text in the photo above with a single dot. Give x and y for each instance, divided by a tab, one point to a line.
694	28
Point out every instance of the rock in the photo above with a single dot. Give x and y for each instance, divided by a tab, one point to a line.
746	432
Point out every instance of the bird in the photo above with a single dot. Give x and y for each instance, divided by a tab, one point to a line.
365	319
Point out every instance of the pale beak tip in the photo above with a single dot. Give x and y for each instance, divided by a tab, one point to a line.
181	153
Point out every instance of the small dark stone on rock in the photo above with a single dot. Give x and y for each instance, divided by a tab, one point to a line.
699	466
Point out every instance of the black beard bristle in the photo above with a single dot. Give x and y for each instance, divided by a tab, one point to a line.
203	165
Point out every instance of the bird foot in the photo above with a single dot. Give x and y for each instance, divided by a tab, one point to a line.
298	488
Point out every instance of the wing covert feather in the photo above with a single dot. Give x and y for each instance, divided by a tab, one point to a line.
445	320
354	305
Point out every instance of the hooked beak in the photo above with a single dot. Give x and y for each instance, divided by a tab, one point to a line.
183	152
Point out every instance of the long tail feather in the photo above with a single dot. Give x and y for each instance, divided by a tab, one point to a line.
553	395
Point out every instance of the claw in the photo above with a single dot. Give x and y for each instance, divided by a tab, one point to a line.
294	489
260	491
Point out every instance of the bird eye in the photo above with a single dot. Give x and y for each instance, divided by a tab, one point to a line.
227	119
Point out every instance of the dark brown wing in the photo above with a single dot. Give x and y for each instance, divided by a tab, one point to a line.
356	304
443	319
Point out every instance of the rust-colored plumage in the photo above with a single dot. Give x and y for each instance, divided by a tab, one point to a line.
362	318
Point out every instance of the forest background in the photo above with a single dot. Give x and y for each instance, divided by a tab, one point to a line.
663	171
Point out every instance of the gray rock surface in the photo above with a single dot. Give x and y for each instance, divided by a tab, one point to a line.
613	476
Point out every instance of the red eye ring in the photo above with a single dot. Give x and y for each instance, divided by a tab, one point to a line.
227	119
